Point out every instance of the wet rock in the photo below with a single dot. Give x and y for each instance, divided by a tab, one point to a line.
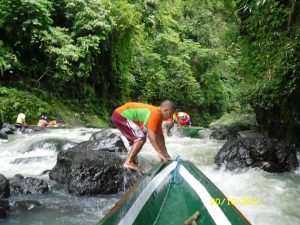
33	130
3	135
268	166
9	126
26	205
29	159
88	172
267	154
7	130
28	185
4	187
45	172
4	207
107	140
103	134
225	134
52	144
91	167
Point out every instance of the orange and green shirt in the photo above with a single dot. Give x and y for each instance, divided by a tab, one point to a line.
144	115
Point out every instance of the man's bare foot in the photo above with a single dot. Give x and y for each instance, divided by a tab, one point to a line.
133	166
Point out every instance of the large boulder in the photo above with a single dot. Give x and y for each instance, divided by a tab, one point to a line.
92	167
225	134
267	154
29	185
4	187
4	207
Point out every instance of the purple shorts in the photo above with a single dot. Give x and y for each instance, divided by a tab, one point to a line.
128	128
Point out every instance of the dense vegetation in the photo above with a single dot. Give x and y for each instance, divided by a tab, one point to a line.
270	45
97	54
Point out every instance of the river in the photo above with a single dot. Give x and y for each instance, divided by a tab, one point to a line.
31	155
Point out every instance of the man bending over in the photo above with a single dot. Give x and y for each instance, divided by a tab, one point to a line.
136	120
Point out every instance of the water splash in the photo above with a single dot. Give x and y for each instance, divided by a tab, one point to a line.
279	192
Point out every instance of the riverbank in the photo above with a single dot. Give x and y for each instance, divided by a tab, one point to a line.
74	113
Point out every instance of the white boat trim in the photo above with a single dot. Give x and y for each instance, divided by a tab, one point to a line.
139	203
214	210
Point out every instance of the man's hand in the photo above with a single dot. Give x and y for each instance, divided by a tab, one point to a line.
158	143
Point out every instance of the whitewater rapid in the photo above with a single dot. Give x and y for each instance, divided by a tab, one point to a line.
31	155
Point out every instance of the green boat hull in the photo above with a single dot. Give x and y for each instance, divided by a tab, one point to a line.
155	199
189	131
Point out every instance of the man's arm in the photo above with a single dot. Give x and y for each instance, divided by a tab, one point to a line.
158	143
162	143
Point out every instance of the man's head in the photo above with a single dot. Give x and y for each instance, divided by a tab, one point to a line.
167	108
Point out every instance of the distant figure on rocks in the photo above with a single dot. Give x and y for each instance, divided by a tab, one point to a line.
43	121
136	120
21	120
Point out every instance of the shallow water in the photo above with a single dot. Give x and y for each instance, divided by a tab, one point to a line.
31	155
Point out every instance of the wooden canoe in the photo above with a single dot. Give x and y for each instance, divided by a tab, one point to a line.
157	199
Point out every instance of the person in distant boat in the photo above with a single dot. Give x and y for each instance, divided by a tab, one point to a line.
169	123
184	119
43	121
56	122
21	121
136	121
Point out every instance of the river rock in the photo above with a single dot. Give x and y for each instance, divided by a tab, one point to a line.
9	126
4	187
267	154
26	205
3	135
88	172
28	185
225	134
106	140
56	144
103	134
7	130
91	167
33	130
4	207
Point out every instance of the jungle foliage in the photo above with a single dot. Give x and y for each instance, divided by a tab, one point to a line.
202	55
270	46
